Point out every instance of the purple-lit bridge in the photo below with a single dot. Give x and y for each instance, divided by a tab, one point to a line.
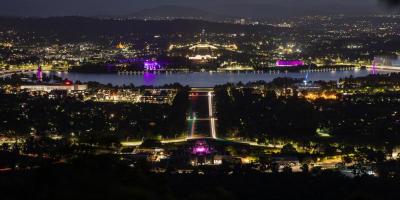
201	119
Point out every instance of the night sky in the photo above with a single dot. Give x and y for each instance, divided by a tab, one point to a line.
125	7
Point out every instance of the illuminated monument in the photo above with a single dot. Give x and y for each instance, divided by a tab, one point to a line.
202	51
201	148
152	65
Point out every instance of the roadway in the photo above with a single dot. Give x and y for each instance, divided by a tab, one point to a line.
201	119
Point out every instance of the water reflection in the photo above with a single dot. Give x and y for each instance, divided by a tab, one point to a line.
149	78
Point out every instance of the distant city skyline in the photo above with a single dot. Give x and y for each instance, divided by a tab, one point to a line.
244	8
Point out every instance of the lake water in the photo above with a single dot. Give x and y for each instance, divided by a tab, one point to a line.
206	79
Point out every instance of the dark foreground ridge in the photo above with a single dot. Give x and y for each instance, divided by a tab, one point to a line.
105	178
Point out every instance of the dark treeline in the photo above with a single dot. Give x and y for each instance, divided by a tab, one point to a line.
105	178
357	119
243	113
23	114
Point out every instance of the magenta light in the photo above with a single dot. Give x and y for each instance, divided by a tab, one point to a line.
149	78
201	148
39	73
151	65
373	67
289	63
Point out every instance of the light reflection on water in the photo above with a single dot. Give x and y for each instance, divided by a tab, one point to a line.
206	79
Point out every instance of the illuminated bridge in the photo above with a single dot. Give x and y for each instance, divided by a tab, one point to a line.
11	72
201	119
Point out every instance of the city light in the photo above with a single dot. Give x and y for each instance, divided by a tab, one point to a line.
289	63
151	65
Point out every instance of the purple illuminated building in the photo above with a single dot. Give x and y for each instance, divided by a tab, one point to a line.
152	65
201	148
39	73
289	63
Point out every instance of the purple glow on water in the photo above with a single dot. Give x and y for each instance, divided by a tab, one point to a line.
151	65
289	63
149	78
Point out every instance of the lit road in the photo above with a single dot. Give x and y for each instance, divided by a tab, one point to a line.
201	120
167	141
179	140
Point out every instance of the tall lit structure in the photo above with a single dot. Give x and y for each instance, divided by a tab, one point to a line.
39	73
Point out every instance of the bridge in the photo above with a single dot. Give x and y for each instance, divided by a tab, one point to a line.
4	73
201	119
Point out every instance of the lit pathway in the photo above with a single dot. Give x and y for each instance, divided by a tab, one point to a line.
209	93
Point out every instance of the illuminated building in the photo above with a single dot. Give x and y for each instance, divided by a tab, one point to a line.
386	62
121	46
289	63
203	52
152	65
153	154
321	95
66	86
39	73
158	96
202	154
201	148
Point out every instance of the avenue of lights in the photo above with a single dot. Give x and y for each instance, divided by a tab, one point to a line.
211	115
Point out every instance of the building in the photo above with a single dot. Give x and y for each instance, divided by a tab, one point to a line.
203	52
386	62
158	96
289	63
66	86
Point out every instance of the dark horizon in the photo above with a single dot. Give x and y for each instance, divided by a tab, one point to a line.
237	8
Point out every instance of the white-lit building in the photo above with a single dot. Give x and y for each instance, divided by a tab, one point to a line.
49	88
203	51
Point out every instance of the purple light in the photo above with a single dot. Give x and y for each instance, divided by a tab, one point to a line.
289	63
131	60
374	68
151	65
39	73
149	78
148	65
201	148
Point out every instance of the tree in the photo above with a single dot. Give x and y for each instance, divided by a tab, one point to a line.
288	149
304	168
287	169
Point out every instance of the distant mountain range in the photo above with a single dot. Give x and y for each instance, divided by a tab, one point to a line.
257	11
175	12
190	8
